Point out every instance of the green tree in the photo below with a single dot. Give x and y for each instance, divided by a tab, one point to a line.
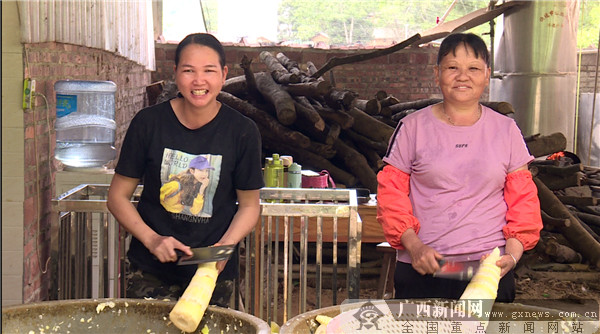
344	22
349	21
589	24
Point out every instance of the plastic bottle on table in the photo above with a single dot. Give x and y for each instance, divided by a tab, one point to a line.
294	179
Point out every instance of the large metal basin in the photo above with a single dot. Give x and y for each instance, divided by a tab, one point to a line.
515	315
126	316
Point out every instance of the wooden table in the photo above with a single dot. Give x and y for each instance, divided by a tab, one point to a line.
371	229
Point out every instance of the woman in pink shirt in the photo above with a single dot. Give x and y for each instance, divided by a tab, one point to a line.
456	183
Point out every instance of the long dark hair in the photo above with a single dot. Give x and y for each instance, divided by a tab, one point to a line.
450	43
201	39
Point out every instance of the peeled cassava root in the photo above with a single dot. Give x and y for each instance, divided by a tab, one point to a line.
484	285
190	308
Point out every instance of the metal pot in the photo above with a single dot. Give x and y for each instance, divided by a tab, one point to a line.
119	316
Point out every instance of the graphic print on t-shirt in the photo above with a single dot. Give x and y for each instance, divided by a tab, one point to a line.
188	184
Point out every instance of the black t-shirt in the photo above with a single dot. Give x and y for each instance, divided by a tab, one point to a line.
190	179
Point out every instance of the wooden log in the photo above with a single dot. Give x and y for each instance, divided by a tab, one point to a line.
357	164
168	92
388	101
336	61
554	223
340	98
236	85
251	86
556	183
560	171
381	95
325	150
326	136
503	108
590	219
278	97
370	127
153	91
310	88
575	233
386	120
399	116
330	115
578	201
290	65
312	69
373	158
279	73
311	160
583	191
371	107
375	146
561	253
385	112
544	145
416	105
308	114
267	122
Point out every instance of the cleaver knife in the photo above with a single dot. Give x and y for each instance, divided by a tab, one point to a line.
463	271
206	254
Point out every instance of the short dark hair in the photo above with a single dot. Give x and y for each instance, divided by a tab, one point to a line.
201	39
450	43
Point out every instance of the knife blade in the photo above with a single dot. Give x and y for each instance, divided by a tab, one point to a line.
463	271
206	254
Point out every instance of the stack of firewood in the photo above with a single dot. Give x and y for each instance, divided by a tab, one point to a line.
325	128
569	195
322	127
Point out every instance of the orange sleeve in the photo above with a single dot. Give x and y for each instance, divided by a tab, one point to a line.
523	217
394	210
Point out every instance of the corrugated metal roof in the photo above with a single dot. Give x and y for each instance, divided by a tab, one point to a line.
121	26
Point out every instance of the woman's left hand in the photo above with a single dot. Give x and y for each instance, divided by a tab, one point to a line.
220	264
512	254
506	264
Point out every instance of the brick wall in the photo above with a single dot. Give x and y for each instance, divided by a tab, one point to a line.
588	72
407	74
48	63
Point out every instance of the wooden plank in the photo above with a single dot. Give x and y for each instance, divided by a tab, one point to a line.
371	229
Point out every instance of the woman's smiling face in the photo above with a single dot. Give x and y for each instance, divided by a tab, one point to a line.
462	77
199	75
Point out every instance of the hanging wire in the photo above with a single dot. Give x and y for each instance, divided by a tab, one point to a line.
37	183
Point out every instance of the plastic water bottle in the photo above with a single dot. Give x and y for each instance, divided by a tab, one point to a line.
274	172
294	179
85	125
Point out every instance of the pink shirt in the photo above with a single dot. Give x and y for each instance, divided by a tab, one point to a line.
457	176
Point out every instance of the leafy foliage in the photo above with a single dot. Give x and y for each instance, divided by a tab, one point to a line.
353	21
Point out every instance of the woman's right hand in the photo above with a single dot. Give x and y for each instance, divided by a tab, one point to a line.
163	247
424	258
